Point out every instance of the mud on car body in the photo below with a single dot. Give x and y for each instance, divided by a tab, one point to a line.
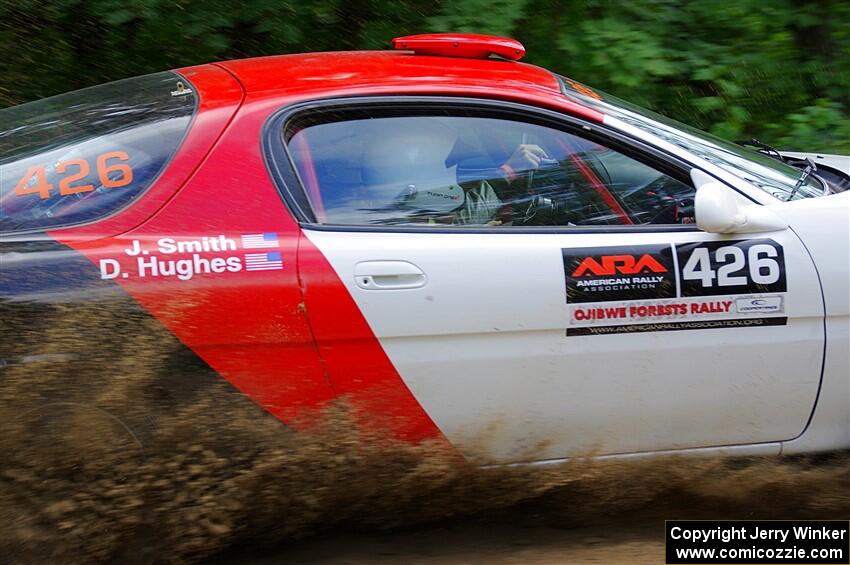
465	247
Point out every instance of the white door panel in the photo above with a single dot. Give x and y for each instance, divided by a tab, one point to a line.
483	346
500	268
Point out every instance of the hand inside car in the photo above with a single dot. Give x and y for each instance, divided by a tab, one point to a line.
526	157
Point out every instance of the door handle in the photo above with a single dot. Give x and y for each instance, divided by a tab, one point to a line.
388	275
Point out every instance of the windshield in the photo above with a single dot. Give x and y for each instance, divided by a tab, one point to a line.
758	169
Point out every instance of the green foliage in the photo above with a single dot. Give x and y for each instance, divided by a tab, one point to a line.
495	17
779	71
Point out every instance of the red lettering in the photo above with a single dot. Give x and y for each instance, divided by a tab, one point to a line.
623	264
647	264
657	310
588	264
600	313
711	307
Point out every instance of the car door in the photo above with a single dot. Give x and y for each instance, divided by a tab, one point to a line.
579	312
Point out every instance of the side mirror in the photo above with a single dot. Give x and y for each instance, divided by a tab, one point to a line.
720	209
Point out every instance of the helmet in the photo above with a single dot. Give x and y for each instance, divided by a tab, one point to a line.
406	158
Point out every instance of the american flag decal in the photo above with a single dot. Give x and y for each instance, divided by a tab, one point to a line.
263	261
266	240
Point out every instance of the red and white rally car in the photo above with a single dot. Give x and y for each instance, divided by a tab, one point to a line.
466	246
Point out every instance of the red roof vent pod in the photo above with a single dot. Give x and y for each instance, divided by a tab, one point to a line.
466	45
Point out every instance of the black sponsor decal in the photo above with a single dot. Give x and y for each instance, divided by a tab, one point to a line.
629	272
678	326
751	266
641	272
706	278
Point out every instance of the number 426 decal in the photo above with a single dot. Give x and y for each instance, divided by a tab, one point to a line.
112	172
731	267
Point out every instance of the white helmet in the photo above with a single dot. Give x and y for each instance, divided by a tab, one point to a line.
407	159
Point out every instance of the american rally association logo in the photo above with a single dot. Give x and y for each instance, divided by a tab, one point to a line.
186	258
619	273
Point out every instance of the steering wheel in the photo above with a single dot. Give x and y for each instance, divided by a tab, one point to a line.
673	212
531	203
562	191
549	192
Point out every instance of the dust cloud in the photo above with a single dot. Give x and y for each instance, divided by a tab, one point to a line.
127	451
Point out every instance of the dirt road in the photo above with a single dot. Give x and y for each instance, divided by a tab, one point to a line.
126	450
476	544
263	496
225	481
566	525
522	540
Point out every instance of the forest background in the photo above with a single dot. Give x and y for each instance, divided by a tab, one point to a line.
775	70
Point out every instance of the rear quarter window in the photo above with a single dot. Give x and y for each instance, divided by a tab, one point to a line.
77	157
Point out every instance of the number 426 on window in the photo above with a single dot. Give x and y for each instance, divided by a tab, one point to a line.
112	172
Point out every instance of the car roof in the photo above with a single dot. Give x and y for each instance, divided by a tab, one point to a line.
383	70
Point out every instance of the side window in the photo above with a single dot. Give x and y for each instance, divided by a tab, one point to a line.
80	156
475	171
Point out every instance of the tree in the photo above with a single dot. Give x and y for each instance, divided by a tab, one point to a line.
778	71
